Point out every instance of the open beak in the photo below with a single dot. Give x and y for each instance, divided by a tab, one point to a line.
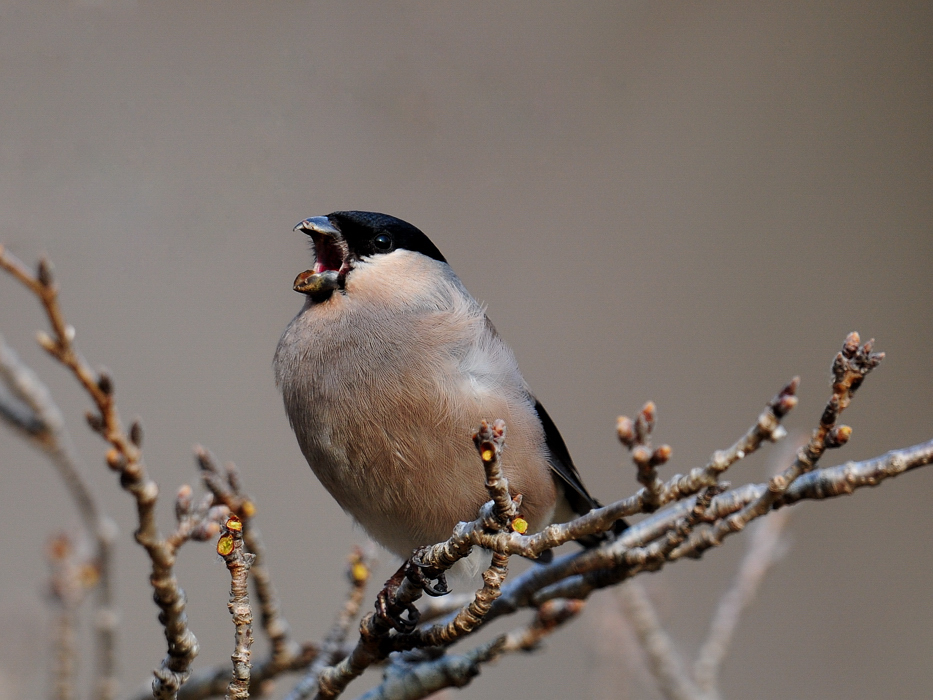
331	259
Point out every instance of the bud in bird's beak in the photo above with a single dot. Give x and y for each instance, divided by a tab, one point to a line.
317	285
331	259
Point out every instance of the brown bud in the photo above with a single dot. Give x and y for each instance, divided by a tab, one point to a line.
184	501
136	433
59	547
95	421
625	429
88	576
649	411
115	459
204	458
207	500
218	513
850	347
641	455
838	436
44	272
104	381
661	455
784	405
840	363
205	531
233	477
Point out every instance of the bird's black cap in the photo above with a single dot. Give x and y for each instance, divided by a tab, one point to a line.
371	233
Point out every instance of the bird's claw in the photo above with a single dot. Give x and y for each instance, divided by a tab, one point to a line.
422	574
404	616
391	611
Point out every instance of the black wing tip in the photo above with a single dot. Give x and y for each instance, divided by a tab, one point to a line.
562	465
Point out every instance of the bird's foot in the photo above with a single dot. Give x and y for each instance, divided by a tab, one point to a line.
422	575
401	615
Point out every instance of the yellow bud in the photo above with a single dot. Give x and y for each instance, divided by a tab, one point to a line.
359	572
225	545
487	455
248	509
234	523
520	525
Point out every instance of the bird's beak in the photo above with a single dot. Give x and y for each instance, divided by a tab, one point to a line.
331	263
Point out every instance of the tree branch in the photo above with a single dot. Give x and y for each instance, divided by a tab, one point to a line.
26	404
238	561
125	458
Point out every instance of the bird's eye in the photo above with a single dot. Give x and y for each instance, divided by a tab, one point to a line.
383	242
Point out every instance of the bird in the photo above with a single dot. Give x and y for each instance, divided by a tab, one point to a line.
386	372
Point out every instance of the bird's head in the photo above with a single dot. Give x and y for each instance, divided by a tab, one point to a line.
344	238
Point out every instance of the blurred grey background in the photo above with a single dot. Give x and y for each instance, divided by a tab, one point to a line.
687	202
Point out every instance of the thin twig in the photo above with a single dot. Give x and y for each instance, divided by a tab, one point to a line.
763	550
636	436
411	681
286	655
850	368
27	405
225	484
125	458
358	573
212	682
238	561
69	585
830	482
664	662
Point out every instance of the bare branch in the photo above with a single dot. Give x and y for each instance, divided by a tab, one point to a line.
831	482
286	656
27	405
636	436
467	618
69	585
690	514
213	681
230	547
421	679
358	573
224	483
413	678
763	550
767	428
664	662
850	368
125	458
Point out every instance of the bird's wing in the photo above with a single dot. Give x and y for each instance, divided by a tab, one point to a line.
562	465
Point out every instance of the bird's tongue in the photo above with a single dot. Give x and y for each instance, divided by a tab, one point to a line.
328	254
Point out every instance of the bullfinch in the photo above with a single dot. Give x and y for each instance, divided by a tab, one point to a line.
387	371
